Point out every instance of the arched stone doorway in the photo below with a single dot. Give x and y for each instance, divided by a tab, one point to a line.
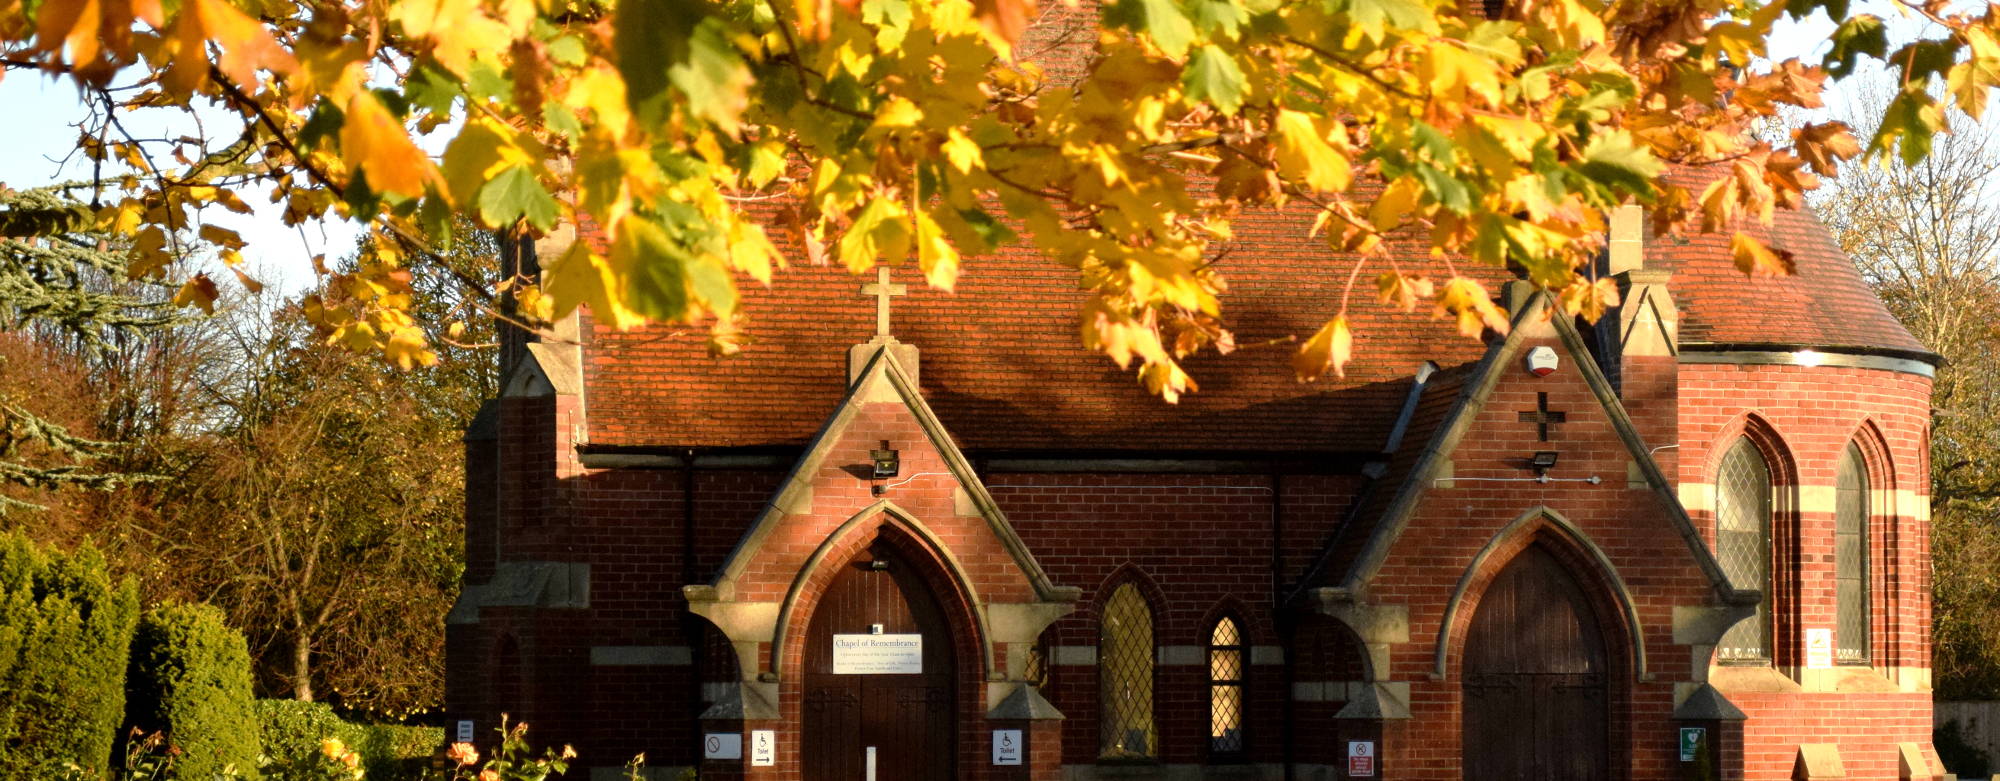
1537	677
875	706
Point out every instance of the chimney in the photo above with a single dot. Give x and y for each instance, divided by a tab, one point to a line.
1638	341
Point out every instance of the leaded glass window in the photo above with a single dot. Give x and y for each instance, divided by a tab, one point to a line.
1743	544
1125	678
1036	671
1225	689
1850	538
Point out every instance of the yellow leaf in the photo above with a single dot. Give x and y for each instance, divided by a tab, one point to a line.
1466	300
1402	290
1755	259
896	114
601	91
880	233
218	235
581	277
935	256
197	291
1305	155
1396	203
375	143
1331	348
750	251
962	152
1456	74
459	30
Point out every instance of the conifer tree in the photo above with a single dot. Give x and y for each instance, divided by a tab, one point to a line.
60	281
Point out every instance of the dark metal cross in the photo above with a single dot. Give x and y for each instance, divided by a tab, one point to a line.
1541	416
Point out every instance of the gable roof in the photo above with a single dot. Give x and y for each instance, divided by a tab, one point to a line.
883	379
1358	553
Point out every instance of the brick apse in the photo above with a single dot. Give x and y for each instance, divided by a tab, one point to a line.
1719	568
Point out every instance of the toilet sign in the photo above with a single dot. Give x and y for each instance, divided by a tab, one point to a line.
763	748
1006	747
465	730
1691	738
1361	758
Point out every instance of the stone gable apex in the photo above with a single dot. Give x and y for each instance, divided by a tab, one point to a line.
1530	324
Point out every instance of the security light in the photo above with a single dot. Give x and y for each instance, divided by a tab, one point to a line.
1543	461
887	464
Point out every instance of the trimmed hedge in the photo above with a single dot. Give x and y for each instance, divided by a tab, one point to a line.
65	629
389	752
190	678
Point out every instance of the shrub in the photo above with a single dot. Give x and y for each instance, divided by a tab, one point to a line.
295	734
65	629
190	678
393	752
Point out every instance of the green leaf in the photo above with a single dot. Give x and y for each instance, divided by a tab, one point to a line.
678	44
1211	75
1908	124
568	50
1375	17
1613	159
515	195
1218	18
652	269
1160	19
431	89
1445	189
1863	34
1923	59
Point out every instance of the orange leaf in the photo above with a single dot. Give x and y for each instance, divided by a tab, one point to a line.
245	46
376	144
1755	259
1824	145
1330	348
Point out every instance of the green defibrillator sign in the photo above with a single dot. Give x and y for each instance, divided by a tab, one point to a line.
1691	739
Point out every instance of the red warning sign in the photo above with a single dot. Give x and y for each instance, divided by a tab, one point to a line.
1361	759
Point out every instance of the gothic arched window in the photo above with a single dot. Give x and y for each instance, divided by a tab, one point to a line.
1743	544
1850	540
1125	677
1226	652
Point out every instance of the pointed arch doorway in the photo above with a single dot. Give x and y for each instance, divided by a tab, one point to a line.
875	708
1537	675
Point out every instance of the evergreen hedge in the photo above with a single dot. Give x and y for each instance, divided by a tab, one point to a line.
65	629
293	731
190	678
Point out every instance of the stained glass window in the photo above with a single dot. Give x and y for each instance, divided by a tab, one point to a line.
1850	539
1743	544
1225	689
1036	671
1125	677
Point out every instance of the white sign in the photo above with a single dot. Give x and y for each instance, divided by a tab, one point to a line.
465	730
722	745
1361	758
1006	747
1819	648
878	654
763	748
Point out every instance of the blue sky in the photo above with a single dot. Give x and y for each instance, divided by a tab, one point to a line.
37	137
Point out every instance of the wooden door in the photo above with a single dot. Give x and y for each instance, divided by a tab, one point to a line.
907	718
1536	701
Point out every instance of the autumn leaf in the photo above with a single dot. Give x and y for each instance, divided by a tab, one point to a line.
1331	348
1305	153
246	47
198	291
1823	145
1753	258
377	145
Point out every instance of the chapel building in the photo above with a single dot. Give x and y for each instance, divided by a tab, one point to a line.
915	535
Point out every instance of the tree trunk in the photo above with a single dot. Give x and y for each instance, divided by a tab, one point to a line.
302	685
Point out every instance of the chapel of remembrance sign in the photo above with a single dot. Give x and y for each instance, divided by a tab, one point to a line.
878	654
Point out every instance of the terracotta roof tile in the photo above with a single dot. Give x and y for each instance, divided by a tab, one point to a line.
1825	304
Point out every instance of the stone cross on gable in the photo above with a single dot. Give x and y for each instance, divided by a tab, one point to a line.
882	290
